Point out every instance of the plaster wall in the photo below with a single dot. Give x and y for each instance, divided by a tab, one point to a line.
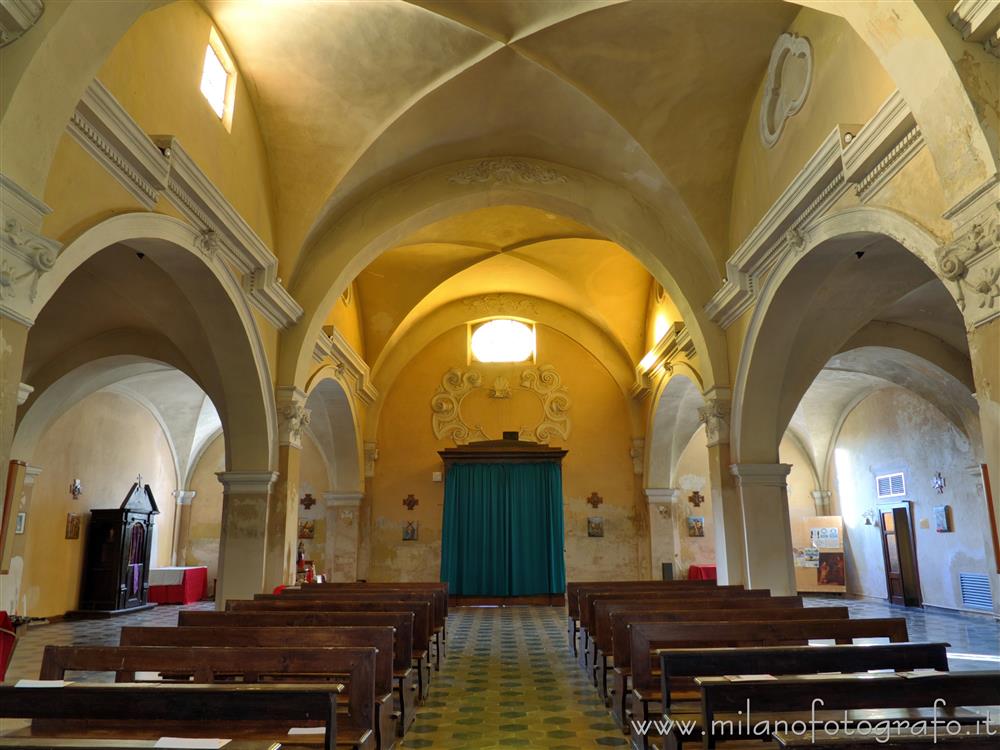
598	461
894	430
104	440
345	316
314	479
206	509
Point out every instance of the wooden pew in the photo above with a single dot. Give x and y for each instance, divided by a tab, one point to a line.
40	743
687	612
589	597
572	608
679	667
150	710
646	638
421	622
869	697
437	599
232	623
904	740
355	666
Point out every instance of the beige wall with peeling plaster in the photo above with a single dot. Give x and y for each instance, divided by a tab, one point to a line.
206	509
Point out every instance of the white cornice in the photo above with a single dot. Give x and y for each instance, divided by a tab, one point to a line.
331	344
978	21
151	166
674	343
866	159
23	392
767	475
247	482
16	17
342	499
661	495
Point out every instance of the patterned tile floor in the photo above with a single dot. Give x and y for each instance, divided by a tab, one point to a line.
509	681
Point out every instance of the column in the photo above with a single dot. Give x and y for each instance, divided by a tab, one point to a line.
342	536
821	499
242	546
764	497
13	340
182	525
727	509
283	517
12	598
664	532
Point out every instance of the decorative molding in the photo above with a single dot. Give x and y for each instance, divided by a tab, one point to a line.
343	499
446	405
23	392
151	166
638	454
971	263
184	497
25	254
293	416
506	170
501	304
715	416
866	159
247	482
331	344
821	500
31	473
16	17
674	344
762	475
371	456
664	499
106	131
978	21
781	102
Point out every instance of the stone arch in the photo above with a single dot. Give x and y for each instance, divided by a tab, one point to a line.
827	284
238	373
673	421
336	429
386	218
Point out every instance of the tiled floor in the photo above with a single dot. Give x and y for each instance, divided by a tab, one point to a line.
509	680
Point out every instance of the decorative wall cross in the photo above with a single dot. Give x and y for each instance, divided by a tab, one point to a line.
410	502
595	500
696	498
308	501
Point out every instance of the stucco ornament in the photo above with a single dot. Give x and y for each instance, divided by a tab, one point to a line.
544	382
789	75
208	243
293	417
715	416
28	256
505	304
506	170
962	262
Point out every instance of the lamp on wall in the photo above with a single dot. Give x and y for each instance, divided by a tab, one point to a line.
870	515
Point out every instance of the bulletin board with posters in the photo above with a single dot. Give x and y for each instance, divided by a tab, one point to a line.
818	550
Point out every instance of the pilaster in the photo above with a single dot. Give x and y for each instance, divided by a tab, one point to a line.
821	499
727	509
342	534
182	525
664	533
243	543
767	527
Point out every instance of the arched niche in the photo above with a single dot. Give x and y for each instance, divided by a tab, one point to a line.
335	428
674	420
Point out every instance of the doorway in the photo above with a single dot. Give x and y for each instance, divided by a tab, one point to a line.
902	577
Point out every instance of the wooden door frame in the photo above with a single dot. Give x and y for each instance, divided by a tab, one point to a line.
906	505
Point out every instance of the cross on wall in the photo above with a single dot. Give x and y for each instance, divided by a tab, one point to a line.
410	502
595	500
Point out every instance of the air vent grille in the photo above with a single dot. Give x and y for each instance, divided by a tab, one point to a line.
891	485
976	592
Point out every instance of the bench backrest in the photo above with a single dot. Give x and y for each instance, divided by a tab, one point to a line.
421	611
380	637
335	595
439	589
588	598
572	589
678	664
645	638
604	608
354	665
235	629
214	705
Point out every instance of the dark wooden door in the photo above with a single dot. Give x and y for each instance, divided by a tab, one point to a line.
902	578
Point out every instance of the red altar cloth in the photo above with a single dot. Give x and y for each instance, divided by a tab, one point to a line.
192	588
6	643
701	573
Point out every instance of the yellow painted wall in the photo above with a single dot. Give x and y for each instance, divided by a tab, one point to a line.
105	440
848	86
314	479
345	316
598	461
206	509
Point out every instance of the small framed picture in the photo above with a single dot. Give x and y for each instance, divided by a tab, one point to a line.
19	522
307	529
72	525
595	526
410	531
696	525
942	519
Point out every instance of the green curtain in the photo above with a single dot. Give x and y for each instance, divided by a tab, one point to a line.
503	530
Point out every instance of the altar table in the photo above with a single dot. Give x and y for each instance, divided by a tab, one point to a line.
178	585
701	573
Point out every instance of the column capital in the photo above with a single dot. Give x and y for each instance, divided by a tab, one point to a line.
766	475
715	415
31	474
184	497
293	416
371	456
23	392
343	499
661	495
247	482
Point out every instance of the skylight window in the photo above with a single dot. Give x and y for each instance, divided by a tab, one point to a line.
218	79
503	340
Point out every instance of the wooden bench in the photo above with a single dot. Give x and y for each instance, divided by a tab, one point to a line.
869	697
231	623
646	638
421	622
903	740
353	666
679	667
38	743
150	710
